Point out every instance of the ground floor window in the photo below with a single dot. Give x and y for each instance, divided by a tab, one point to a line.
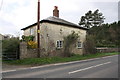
79	44
59	44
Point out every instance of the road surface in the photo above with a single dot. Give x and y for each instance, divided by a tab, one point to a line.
105	67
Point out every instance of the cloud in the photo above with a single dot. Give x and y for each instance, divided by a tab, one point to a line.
7	27
18	14
109	10
119	10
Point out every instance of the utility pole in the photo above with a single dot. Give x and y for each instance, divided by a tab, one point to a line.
38	29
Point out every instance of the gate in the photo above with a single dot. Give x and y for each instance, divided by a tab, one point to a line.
11	55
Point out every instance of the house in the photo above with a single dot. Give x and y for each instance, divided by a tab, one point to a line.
52	31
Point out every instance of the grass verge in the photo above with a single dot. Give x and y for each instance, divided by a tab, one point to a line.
50	60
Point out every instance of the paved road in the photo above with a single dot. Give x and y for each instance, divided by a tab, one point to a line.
106	67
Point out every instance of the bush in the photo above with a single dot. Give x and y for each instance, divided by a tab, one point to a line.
30	41
89	45
10	45
32	44
69	41
10	48
27	38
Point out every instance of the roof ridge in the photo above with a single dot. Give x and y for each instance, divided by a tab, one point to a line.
56	20
60	19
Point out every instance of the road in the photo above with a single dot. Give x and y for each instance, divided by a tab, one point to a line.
106	67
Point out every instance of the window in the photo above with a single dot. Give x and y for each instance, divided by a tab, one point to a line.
32	31
79	44
59	44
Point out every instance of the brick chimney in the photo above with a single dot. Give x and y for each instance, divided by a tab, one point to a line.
56	11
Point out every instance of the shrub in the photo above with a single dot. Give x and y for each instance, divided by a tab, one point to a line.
10	48
69	41
27	38
32	44
89	45
10	45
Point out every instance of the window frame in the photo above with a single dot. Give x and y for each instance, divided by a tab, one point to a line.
59	44
79	45
32	31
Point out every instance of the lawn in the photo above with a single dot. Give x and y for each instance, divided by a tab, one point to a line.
51	60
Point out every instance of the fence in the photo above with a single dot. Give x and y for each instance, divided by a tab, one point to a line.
107	50
10	56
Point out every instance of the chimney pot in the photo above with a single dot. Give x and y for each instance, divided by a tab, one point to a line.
56	11
55	7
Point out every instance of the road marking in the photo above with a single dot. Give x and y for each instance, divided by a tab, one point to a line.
8	71
109	56
88	68
34	67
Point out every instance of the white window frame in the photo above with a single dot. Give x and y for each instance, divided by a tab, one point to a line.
59	44
79	44
32	31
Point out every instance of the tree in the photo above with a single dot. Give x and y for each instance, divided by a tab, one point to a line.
97	19
92	19
107	35
86	20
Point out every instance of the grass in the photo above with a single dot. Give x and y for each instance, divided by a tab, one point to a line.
50	60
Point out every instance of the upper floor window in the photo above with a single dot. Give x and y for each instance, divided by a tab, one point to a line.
32	31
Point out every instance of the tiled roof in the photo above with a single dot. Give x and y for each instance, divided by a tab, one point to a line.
57	20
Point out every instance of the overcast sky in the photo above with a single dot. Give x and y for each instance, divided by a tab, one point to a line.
17	14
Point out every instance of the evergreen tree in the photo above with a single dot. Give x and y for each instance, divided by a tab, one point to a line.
86	20
92	19
97	19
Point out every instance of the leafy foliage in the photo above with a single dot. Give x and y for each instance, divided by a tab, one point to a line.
69	41
105	35
108	35
32	44
10	45
27	38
